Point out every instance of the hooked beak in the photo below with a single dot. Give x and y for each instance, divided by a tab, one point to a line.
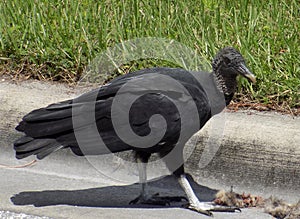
245	72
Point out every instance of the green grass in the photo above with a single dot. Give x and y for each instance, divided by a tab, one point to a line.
57	39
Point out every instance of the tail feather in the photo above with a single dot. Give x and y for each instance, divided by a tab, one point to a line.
33	145
63	110
50	121
47	128
25	147
23	140
44	153
45	114
21	126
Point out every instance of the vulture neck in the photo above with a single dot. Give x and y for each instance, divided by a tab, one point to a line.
226	83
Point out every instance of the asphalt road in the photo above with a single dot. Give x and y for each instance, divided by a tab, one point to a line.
50	188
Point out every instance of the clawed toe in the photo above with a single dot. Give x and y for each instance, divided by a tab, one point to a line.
226	209
198	209
207	209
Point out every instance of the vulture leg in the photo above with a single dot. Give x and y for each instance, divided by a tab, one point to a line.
193	202
201	207
144	197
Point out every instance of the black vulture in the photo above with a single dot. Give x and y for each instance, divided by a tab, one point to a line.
167	106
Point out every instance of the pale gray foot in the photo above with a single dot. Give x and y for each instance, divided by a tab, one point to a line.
201	207
208	208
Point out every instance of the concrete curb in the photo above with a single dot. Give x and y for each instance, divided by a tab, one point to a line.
258	153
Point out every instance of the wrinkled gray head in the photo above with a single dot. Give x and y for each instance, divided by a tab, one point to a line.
229	63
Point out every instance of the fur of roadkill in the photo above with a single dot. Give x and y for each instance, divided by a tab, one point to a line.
272	205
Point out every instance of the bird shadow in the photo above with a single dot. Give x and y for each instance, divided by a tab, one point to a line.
110	196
